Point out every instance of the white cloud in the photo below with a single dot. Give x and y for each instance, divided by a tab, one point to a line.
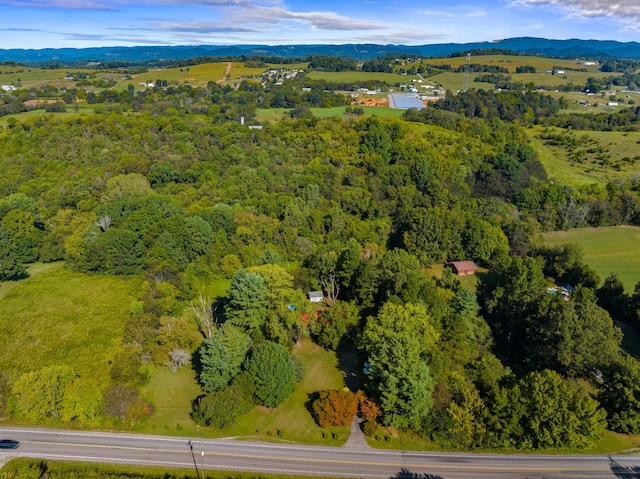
623	10
203	27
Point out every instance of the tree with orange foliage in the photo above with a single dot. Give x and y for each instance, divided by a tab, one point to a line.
335	407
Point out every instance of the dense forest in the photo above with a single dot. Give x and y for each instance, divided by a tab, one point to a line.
167	185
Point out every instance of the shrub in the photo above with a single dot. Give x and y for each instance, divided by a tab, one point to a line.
335	408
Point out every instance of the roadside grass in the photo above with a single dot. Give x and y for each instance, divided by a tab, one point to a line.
59	317
606	249
171	394
26	467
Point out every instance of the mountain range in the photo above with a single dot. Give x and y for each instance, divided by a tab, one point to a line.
574	48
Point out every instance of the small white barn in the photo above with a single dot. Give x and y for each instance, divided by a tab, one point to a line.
316	296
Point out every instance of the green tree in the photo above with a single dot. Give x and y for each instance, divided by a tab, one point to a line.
220	409
132	185
398	342
558	414
20	228
248	301
574	337
272	372
11	266
612	297
334	323
507	295
620	394
221	356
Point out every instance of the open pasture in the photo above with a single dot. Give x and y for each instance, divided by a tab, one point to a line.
59	317
455	81
360	77
612	249
620	148
511	62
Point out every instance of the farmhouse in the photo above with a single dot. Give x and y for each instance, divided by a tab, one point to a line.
463	268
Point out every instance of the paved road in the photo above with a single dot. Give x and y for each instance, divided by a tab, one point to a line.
307	460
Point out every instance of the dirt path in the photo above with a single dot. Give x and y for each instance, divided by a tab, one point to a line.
226	73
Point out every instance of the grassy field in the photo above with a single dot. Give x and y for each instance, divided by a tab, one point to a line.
616	145
607	250
274	115
357	77
173	393
60	317
454	81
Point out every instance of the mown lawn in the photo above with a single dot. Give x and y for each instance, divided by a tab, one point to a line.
293	419
172	394
606	249
59	317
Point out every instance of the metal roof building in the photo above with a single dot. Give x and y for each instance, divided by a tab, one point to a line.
404	101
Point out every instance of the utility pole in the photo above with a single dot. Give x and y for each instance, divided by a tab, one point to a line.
466	73
202	463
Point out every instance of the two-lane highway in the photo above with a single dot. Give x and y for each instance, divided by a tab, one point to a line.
227	454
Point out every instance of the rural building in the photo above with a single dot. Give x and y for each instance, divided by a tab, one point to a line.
316	296
404	101
463	268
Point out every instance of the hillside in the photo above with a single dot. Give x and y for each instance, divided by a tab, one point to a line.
574	48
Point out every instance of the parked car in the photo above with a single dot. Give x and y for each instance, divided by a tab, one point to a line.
9	444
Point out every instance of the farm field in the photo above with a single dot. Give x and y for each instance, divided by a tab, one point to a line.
355	77
606	249
510	62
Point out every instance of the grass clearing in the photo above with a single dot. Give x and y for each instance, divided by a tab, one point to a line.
274	115
469	282
620	149
606	249
33	270
293	419
172	394
59	317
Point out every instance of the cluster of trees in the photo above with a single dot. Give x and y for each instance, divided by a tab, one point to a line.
482	68
180	196
247	359
624	119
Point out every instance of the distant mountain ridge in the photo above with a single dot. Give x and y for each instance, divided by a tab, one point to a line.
574	48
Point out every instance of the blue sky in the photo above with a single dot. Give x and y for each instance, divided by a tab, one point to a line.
88	23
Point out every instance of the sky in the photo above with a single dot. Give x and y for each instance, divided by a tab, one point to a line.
37	24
